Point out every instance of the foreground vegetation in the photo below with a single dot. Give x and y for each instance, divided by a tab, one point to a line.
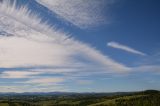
146	98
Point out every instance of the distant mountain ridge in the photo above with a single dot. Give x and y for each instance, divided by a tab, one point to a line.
77	93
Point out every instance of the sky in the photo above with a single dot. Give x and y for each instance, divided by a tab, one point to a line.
79	45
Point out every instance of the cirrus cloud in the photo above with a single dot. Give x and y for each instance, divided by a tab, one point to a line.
82	13
27	42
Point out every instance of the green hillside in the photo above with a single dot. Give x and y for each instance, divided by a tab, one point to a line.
147	98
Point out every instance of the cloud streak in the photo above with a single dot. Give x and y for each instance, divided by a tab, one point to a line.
18	74
125	48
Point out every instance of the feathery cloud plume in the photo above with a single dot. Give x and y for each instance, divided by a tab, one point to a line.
27	42
37	44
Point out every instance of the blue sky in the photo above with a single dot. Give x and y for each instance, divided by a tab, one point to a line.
79	46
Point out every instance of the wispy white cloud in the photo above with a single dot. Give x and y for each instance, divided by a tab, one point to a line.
81	13
125	48
18	74
147	68
33	43
52	80
36	44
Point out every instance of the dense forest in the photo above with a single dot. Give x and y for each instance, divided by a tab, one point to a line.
145	98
